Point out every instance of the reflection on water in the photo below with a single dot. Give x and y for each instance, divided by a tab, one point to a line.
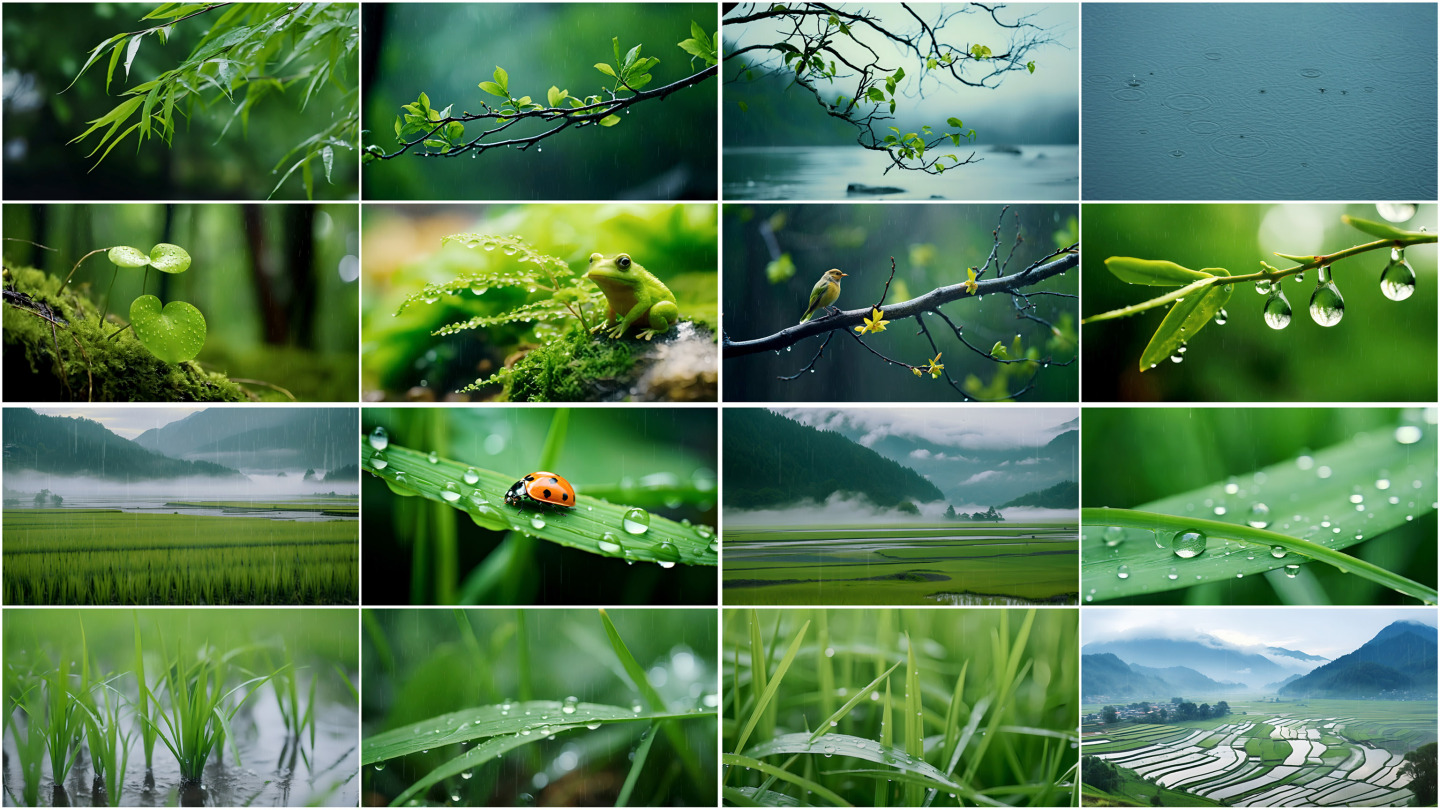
1203	101
1047	172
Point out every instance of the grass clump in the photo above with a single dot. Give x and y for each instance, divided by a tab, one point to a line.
900	707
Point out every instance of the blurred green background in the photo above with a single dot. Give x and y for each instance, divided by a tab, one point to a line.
660	459
420	664
278	284
45	46
1133	456
933	245
1381	351
403	360
661	150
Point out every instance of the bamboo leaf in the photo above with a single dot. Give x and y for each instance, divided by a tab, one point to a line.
1183	322
594	525
1298	505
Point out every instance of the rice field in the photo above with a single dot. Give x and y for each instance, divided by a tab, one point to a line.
966	564
1317	753
110	557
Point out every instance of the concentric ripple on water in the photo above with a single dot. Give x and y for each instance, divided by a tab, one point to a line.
1187	102
1240	145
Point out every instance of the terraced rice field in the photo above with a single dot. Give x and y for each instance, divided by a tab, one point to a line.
1280	757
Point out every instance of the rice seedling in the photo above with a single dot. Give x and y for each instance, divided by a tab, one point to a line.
900	707
62	729
645	741
25	723
196	719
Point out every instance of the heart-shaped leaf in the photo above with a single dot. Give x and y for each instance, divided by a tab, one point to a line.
168	258
174	333
125	256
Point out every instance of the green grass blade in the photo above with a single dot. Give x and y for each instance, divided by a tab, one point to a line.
746	797
784	775
637	765
1149	566
771	688
583	527
918	781
493	721
952	715
847	745
1357	467
914	718
882	790
860	694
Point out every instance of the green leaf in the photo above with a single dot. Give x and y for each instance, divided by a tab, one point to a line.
114	59
454	131
327	157
875	94
604	68
609	120
980	51
780	270
1030	66
502	78
125	256
771	687
168	258
494	89
174	333
818	789
847	745
1154	272
130	54
478	723
630	57
955	122
556	95
1378	229
743	106
1289	489
1184	320
585	528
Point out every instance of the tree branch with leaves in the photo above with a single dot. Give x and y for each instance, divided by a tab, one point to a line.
1017	365
423	131
853	63
1200	296
250	52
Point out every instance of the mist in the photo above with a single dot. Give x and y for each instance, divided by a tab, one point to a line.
79	489
846	508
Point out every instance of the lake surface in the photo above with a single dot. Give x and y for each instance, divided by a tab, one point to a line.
1049	172
1242	101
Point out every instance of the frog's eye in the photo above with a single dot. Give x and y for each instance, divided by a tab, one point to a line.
623	260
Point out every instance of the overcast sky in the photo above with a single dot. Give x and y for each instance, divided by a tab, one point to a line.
1054	83
967	427
1330	632
126	422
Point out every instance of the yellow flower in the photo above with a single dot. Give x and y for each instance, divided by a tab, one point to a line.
970	284
934	367
875	323
917	371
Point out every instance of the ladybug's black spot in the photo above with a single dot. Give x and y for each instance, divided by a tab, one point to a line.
564	496
545	492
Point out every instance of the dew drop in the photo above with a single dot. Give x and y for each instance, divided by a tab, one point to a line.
1123	572
1188	543
472	476
433	458
1291	569
379	766
1277	311
1278	552
380	439
592	726
1408	434
667	554
378	461
611	545
450	493
1397	280
1264	286
568	706
1172	574
465	775
1259	516
829	750
1382	483
1220	510
636	521
1327	307
537	521
1113	536
1222	317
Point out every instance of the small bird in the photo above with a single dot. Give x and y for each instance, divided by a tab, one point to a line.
826	290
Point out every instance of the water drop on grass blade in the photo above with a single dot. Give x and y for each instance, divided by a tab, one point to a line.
636	521
380	439
1188	543
1113	536
1259	516
1123	572
450	493
433	458
472	476
378	461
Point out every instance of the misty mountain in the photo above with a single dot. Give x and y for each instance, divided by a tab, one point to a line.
1400	658
771	460
1296	654
1278	685
1064	495
1104	675
63	445
261	439
1209	656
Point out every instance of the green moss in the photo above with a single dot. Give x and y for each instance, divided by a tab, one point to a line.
574	368
81	360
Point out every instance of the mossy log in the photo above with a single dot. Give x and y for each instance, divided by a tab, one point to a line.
57	350
680	365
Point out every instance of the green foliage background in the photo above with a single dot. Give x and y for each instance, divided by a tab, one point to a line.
1136	455
660	150
316	363
45	46
1382	351
675	242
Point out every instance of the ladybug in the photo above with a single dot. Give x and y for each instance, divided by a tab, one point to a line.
539	490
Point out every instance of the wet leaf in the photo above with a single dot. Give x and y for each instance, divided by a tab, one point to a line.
1153	272
174	333
1184	321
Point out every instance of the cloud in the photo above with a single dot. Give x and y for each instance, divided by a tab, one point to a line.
981	476
920	453
971	427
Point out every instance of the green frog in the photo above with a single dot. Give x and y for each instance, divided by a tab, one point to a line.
636	297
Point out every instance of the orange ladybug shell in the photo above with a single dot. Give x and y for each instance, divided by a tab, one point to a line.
541	489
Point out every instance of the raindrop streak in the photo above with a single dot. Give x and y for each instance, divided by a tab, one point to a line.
1259	516
1397	280
1188	543
380	439
637	521
1326	305
1277	311
450	493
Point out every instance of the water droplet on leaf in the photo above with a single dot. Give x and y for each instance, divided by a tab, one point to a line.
1397	280
1277	311
1327	307
636	521
380	439
1188	543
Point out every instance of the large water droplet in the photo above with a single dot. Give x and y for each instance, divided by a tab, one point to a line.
537	521
1277	311
450	493
610	544
1327	307
380	439
1113	536
1408	434
1123	572
1397	280
1277	552
378	461
1188	543
433	458
568	707
472	476
1291	569
636	521
1264	286
667	554
1221	317
1259	516
466	775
